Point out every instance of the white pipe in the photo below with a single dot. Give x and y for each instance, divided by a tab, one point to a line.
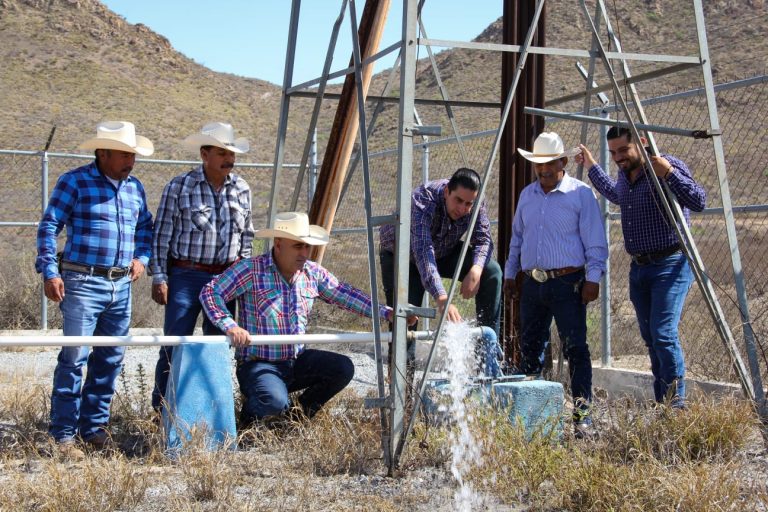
277	339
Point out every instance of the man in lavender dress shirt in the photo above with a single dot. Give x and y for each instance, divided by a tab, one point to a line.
659	276
559	243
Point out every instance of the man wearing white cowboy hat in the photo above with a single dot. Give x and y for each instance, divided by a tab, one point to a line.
203	225
659	275
275	293
559	243
109	231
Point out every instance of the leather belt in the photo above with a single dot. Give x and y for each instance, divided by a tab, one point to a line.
202	267
542	276
111	273
650	257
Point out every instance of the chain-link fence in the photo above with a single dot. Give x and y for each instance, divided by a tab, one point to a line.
741	107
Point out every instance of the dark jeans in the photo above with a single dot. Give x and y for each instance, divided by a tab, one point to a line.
487	300
265	385
559	298
181	312
658	292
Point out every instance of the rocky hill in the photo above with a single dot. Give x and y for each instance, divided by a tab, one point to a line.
73	63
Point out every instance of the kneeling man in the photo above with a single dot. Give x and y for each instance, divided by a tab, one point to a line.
275	293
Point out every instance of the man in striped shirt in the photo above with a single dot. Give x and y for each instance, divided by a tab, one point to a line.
659	276
559	243
275	293
203	225
109	230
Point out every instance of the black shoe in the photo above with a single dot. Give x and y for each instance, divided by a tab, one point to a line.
583	428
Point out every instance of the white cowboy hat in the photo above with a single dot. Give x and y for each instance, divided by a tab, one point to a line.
547	147
295	226
119	135
221	135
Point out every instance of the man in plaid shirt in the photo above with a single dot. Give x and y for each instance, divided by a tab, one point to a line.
659	276
109	230
275	293
203	225
440	215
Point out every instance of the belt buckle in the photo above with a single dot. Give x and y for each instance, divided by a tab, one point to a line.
538	275
115	271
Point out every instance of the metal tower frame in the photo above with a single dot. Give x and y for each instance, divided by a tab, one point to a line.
396	426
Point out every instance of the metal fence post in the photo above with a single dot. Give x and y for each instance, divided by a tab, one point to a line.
43	206
425	179
605	298
312	175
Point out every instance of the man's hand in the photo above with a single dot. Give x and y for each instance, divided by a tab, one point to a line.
584	158
160	293
452	315
589	291
661	166
471	282
239	337
54	289
510	289
137	268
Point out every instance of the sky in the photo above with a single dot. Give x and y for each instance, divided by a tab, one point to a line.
249	37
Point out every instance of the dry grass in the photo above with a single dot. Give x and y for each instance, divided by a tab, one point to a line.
709	457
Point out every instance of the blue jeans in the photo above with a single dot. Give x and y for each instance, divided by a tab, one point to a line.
181	313
265	385
558	298
658	292
92	306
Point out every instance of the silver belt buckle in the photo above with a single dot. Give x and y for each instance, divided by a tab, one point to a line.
538	275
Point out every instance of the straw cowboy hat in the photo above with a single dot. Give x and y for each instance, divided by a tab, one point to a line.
221	135
119	135
547	147
295	226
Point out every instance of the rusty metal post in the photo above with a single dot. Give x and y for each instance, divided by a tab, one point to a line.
514	171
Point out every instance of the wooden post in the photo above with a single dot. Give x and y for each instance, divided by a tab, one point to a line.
345	125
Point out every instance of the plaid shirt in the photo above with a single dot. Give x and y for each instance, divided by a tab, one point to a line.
434	234
267	304
106	226
643	221
196	224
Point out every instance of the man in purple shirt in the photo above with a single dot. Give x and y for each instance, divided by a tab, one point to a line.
275	293
440	215
559	243
659	276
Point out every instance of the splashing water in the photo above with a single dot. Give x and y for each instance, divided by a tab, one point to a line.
465	450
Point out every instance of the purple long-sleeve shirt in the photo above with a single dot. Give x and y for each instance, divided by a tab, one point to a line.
643	221
434	234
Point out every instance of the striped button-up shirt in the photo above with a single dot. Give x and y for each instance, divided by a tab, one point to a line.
107	226
562	228
268	304
643	221
434	234
195	223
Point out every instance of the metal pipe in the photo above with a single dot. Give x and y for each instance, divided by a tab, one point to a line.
256	339
43	207
605	297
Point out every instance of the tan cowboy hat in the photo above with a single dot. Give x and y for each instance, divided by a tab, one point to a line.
547	147
295	226
119	135
221	135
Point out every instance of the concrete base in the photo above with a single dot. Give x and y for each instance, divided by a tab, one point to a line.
200	395
537	405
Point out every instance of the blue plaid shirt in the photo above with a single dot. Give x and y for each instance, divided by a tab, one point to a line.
434	234
106	227
268	304
643	221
